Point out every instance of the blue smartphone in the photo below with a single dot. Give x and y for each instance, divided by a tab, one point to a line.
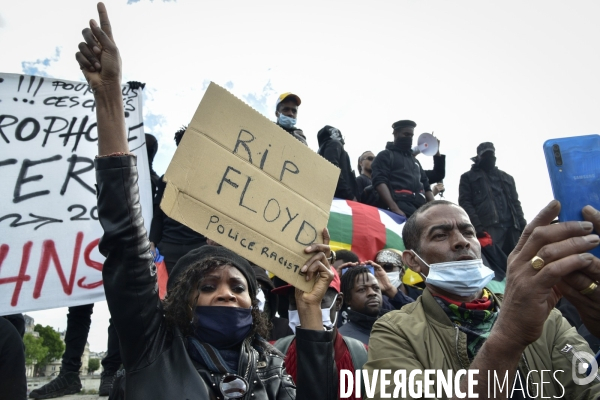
574	169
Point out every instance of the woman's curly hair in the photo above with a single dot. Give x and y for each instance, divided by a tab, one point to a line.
176	304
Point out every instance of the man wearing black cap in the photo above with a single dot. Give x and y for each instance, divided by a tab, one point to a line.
286	111
397	175
490	198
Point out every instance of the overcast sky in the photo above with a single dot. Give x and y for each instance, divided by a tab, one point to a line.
514	73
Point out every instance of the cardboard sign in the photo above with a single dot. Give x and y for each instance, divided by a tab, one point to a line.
244	182
49	229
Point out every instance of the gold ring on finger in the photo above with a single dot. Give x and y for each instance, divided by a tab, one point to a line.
590	289
537	263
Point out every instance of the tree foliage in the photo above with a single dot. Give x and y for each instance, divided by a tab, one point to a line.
93	365
34	349
52	342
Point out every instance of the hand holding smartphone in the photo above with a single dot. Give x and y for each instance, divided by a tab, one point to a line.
574	168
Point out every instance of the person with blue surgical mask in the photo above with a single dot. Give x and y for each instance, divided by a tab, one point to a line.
458	323
286	111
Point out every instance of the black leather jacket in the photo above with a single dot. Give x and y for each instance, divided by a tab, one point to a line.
155	356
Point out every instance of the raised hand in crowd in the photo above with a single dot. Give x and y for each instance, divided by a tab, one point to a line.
309	304
100	62
209	323
384	281
581	288
546	257
345	265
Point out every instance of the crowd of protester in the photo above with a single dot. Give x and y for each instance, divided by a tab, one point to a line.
226	329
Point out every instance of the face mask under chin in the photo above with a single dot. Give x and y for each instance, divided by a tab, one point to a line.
463	278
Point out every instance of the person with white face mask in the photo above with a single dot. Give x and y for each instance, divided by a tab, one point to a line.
391	262
349	353
268	304
286	111
459	324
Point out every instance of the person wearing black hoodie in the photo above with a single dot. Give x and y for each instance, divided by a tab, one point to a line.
331	147
397	175
152	149
172	238
489	196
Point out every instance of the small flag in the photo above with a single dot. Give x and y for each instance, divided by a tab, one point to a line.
364	229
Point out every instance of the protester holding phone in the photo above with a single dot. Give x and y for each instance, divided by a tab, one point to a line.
458	324
574	169
204	341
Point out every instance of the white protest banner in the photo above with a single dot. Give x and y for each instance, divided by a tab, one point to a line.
49	229
242	181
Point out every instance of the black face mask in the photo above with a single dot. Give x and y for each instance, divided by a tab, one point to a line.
487	163
404	143
211	320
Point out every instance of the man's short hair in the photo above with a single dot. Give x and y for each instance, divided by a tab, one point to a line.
346	256
411	232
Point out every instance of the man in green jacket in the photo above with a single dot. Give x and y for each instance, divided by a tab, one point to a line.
528	347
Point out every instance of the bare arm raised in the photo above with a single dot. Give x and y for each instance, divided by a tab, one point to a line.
100	62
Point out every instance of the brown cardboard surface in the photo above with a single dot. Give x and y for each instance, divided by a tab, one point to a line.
244	182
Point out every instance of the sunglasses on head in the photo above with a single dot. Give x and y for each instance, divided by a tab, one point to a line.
369	267
370	158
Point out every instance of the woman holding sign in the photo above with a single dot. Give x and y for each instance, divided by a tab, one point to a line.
204	341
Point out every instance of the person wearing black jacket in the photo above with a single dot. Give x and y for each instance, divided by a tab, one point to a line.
364	169
152	149
398	176
167	352
172	238
331	147
490	197
13	382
